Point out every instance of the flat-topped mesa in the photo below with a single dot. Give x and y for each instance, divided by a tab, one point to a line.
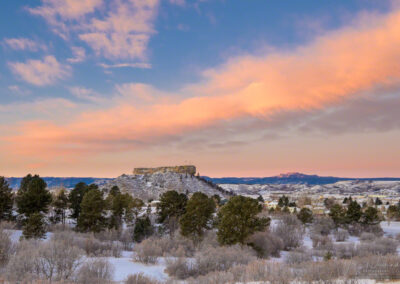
191	170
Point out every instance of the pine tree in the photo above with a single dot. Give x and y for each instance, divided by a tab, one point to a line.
237	220
34	227
370	216
92	213
33	197
199	211
305	215
60	205
171	207
6	201
353	213
143	229
75	198
338	214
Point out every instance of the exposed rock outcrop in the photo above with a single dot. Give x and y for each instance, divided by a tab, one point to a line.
150	183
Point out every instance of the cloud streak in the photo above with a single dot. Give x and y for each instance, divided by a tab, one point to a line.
40	72
332	68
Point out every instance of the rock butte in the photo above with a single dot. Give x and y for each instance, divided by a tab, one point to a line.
188	169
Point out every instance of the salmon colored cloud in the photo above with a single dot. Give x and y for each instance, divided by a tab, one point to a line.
333	67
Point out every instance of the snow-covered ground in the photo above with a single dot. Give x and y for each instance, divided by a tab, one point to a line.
391	228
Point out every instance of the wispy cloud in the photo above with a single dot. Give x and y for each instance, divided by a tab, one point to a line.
79	55
86	94
333	68
142	65
121	30
24	44
41	72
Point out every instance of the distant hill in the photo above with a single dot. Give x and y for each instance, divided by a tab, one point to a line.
292	178
68	182
288	178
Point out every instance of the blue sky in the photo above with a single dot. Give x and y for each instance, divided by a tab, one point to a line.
65	62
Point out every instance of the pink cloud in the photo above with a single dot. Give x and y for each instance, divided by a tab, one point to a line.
41	72
335	66
23	44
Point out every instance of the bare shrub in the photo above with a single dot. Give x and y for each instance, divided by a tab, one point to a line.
221	258
6	247
139	278
321	242
179	267
97	271
147	251
266	244
290	230
341	235
345	251
94	247
367	237
215	277
297	257
323	225
23	264
127	238
328	270
374	229
381	246
379	267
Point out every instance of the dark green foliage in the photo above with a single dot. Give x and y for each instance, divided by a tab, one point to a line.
283	201
6	200
60	205
237	220
378	201
370	216
338	214
305	215
260	199
199	211
34	227
76	196
353	213
33	197
393	212
123	207
92	217
114	191
143	229
172	205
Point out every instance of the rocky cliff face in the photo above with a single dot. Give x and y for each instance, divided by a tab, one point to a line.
155	182
190	170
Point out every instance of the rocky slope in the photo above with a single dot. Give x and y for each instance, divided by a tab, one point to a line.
150	186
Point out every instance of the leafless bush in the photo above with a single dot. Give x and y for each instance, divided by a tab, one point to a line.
139	278
94	247
297	257
323	225
374	229
266	244
6	247
97	271
8	225
23	264
345	251
321	242
215	277
179	267
379	267
210	259
147	251
127	239
341	235
368	237
381	246
290	230
328	270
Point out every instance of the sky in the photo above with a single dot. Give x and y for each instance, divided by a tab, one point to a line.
235	87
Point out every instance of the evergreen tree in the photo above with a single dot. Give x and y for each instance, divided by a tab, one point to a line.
260	198
6	200
305	215
143	229
370	216
199	211
237	220
34	227
171	207
92	213
33	197
75	198
378	201
121	204
283	201
353	213
60	206
338	214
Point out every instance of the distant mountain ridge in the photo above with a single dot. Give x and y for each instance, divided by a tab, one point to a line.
286	178
292	178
